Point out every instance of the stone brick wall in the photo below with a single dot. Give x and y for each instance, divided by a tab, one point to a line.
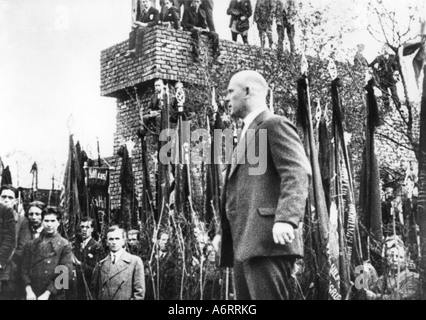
167	54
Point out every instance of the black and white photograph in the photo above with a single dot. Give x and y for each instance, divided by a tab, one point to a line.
212	150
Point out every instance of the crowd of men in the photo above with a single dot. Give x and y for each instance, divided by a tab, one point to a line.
196	16
37	263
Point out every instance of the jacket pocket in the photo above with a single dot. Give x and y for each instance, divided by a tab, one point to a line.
266	211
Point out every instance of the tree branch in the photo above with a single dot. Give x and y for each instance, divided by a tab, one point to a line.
394	141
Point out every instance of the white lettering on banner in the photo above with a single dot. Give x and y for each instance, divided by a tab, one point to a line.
95	174
351	229
333	289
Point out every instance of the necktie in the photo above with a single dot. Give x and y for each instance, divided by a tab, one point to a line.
241	131
113	258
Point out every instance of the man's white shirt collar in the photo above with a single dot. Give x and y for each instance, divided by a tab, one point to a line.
117	255
85	242
250	118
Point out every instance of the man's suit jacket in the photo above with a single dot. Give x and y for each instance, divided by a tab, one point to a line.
238	9
192	19
89	256
7	239
40	260
123	281
151	17
255	202
23	236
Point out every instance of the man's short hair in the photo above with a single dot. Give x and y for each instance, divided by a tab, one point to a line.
160	80
116	228
393	242
133	232
88	219
51	210
10	187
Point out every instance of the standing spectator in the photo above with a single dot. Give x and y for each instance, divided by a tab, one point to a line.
285	18
34	218
194	20
12	289
133	242
151	116
240	12
263	205
397	282
145	16
385	68
7	244
208	6
47	259
87	254
120	276
359	60
169	16
264	14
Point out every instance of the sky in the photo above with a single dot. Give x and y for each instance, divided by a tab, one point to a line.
50	79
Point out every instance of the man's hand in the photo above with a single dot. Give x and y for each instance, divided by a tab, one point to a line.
243	18
283	233
370	295
30	293
44	296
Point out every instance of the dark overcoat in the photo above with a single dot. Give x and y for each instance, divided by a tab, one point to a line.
44	262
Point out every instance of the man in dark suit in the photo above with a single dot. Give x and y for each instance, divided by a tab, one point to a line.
12	289
195	20
47	261
7	241
386	71
263	198
87	254
208	6
146	16
169	15
151	116
120	276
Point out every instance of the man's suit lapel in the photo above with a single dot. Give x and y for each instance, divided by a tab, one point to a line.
238	156
121	265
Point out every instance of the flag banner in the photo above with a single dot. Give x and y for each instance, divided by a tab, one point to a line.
370	193
98	178
317	198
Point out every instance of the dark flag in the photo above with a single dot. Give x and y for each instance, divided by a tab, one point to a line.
370	200
317	198
128	203
164	169
422	183
213	177
147	195
82	190
6	177
419	58
70	199
34	184
344	195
